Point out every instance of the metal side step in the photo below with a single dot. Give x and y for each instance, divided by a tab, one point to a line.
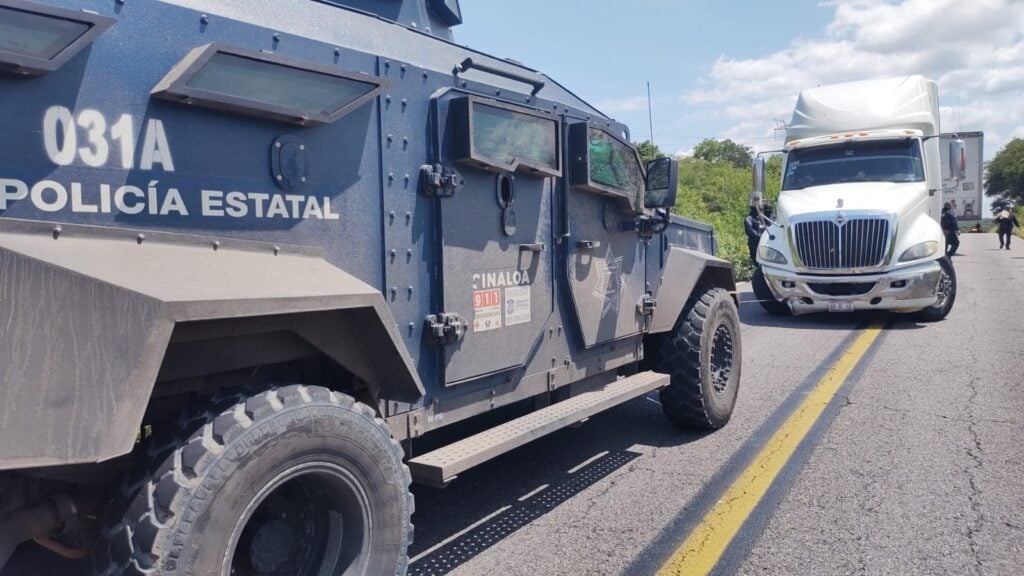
441	466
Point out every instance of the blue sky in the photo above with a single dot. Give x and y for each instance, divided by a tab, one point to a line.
727	69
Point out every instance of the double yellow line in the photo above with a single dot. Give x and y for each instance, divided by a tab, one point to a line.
699	553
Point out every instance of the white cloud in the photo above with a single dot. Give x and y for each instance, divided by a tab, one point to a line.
975	50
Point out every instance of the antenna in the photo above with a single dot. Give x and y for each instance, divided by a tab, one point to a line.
650	116
959	110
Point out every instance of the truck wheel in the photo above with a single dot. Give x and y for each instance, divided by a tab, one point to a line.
947	294
765	296
702	356
297	480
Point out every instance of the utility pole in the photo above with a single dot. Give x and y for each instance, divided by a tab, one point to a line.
650	116
780	126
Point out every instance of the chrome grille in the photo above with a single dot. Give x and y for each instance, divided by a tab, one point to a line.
856	243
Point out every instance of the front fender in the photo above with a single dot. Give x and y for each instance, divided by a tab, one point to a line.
914	230
684	270
86	315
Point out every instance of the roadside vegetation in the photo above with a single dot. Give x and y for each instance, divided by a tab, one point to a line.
1004	181
714	187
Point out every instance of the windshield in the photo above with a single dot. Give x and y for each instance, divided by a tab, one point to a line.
864	161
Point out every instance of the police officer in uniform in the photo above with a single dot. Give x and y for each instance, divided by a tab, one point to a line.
1007	221
753	226
951	228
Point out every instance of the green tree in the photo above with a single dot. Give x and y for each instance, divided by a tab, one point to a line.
1006	173
712	150
718	193
1000	204
648	151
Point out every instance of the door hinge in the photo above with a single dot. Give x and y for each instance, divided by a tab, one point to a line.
446	328
646	305
438	180
647	226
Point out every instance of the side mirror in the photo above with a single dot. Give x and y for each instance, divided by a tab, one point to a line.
662	183
759	177
957	159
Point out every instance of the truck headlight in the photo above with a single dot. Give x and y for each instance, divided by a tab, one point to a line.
772	255
918	251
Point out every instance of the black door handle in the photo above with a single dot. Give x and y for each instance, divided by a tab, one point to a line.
538	247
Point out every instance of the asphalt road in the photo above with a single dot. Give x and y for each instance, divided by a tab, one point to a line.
914	468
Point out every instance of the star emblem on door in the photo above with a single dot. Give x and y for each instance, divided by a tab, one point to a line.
609	285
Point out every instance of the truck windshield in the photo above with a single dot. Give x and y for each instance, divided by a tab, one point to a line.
864	161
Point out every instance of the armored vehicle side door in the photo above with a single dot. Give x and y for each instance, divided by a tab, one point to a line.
606	268
496	231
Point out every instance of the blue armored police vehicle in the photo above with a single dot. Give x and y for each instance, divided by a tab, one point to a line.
254	255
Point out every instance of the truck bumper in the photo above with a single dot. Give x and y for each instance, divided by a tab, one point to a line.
906	290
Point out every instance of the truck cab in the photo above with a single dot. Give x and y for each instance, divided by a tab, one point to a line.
857	224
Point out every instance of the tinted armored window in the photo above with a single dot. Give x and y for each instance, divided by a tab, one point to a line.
277	85
614	164
266	85
35	35
508	137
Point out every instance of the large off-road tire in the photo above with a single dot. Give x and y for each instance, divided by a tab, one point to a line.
702	355
947	294
765	297
296	481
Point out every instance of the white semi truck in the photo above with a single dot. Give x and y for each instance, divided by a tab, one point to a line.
857	220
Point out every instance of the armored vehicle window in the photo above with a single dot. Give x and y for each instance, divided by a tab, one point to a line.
604	164
35	35
266	85
506	138
614	164
277	85
40	39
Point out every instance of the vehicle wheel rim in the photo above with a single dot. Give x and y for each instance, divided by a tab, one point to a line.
311	519
721	359
944	288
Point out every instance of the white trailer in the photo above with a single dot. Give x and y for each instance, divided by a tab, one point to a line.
965	194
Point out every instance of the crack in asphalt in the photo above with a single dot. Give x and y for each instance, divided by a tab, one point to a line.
846	402
972	420
592	501
975	453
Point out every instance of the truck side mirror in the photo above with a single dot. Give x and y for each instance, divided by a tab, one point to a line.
662	183
957	159
759	176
